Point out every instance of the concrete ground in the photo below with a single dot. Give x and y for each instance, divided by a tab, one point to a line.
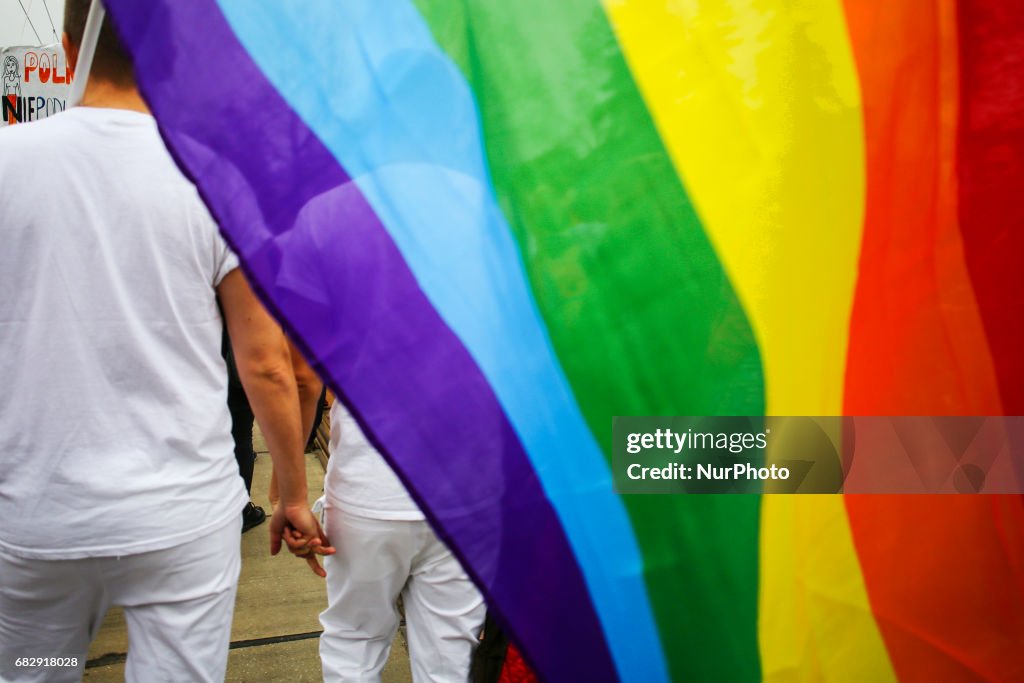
275	632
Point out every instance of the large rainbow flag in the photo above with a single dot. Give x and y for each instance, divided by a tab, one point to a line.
495	224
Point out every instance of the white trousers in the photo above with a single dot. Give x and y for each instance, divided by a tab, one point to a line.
377	560
177	602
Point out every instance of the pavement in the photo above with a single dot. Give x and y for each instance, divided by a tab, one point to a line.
275	634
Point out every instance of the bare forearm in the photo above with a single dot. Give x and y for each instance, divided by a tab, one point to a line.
265	367
272	397
310	388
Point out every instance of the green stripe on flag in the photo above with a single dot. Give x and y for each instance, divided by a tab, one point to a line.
639	309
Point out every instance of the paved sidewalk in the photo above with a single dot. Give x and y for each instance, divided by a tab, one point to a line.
275	632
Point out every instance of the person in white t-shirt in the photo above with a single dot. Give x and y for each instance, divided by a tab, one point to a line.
117	481
385	548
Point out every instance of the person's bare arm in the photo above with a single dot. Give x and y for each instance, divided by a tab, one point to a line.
310	387
265	368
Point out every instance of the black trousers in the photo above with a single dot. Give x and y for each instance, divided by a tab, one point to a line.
241	432
321	406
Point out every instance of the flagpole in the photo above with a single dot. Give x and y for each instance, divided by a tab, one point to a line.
86	51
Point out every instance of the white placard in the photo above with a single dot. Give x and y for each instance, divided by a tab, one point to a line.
36	83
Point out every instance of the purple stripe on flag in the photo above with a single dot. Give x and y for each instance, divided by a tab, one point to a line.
325	264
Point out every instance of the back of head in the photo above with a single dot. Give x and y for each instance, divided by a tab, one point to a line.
111	62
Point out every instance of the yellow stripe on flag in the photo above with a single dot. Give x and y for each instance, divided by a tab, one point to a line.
815	621
759	108
757	102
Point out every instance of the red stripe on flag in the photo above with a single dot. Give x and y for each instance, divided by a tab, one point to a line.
990	167
944	574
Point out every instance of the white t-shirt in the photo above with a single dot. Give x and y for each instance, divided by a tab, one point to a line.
359	480
115	437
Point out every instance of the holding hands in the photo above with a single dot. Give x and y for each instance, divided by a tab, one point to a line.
301	532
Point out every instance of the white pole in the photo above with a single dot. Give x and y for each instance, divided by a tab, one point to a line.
86	51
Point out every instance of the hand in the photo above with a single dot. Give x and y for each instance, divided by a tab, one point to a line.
298	528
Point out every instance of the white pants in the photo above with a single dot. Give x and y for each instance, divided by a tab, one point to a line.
177	604
377	560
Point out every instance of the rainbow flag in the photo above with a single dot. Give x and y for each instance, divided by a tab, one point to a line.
493	225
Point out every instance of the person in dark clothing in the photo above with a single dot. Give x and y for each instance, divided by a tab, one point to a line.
497	660
321	406
241	431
